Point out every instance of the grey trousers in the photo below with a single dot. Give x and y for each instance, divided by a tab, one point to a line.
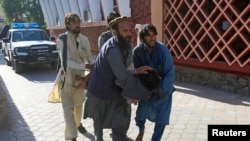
110	114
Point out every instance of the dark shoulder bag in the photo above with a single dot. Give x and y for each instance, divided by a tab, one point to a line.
63	37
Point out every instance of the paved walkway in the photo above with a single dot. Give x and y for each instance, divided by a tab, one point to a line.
194	107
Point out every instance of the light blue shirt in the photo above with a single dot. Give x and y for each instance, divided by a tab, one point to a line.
156	110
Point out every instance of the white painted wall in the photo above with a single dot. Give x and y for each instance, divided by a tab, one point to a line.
60	11
45	13
124	7
74	6
83	6
95	10
49	11
107	6
66	7
58	8
54	11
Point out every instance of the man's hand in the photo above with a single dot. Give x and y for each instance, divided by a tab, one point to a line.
143	69
81	82
62	72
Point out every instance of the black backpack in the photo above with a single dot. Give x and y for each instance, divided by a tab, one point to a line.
63	37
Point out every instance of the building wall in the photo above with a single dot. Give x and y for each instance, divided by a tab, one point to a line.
140	14
157	14
224	81
141	11
91	30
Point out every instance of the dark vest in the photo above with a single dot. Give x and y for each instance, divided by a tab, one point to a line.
101	83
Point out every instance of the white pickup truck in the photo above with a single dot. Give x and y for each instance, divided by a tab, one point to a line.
26	43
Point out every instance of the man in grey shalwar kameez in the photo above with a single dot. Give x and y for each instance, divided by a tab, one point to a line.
111	83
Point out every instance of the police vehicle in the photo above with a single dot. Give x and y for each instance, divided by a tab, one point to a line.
25	44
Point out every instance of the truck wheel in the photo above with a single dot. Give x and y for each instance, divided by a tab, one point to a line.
54	65
8	61
17	66
3	51
11	60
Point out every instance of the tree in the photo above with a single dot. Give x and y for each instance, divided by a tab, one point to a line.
28	10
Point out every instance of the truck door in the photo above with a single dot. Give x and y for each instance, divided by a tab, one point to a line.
6	45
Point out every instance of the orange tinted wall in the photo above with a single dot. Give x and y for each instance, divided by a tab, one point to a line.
91	30
140	13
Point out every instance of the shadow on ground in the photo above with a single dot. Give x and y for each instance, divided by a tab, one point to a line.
10	129
213	94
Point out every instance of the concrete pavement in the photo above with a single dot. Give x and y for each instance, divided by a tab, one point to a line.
194	107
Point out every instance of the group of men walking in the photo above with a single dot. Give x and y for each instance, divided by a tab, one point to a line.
115	81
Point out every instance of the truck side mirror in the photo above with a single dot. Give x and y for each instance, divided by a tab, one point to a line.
6	40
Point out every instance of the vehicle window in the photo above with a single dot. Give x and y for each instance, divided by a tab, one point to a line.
44	35
29	35
36	35
17	36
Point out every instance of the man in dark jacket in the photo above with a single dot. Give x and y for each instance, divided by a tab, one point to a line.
111	83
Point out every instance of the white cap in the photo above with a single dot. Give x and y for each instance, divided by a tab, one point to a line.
138	26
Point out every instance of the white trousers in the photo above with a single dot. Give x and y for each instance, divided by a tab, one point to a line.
72	103
72	117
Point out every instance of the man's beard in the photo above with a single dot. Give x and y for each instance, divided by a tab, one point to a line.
76	31
125	42
151	45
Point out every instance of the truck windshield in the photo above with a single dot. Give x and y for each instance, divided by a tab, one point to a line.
29	35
